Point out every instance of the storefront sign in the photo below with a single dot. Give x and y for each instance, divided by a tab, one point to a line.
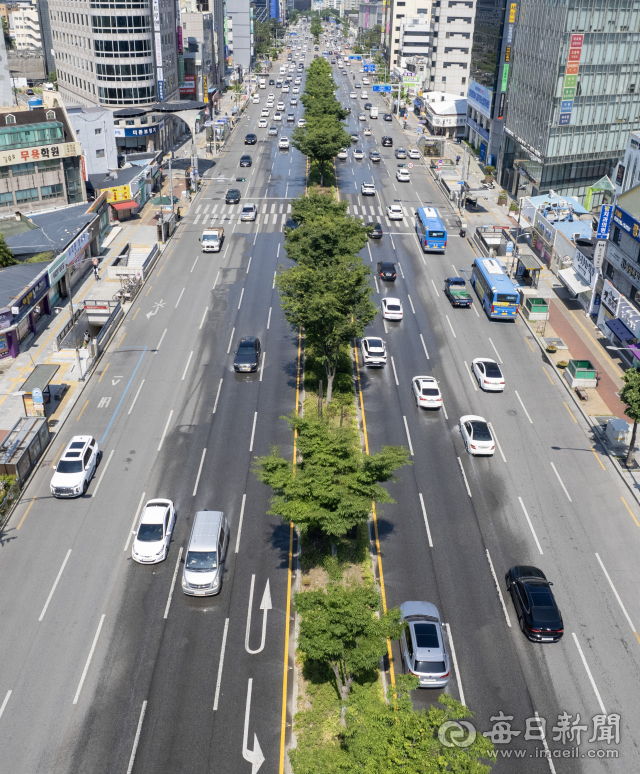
5	320
57	269
620	174
630	269
604	222
189	85
31	295
39	153
138	131
505	77
610	298
510	33
73	253
479	97
4	345
121	193
158	44
512	13
599	254
23	328
584	267
204	88
628	224
570	79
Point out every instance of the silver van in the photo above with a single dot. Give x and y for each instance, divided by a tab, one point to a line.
206	554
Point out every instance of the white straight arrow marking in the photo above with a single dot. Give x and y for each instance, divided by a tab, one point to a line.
255	756
265	606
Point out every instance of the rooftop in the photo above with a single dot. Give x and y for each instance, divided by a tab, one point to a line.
115	178
553	199
53	230
14	279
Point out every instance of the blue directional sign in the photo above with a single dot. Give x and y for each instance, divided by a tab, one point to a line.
369	68
356	56
382	87
605	219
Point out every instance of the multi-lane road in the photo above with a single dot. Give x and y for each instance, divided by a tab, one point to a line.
107	667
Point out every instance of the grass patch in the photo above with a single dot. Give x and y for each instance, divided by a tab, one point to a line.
351	550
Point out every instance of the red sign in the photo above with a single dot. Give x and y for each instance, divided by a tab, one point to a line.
574	54
576	41
84	168
189	86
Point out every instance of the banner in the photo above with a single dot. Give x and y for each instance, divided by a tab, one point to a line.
570	79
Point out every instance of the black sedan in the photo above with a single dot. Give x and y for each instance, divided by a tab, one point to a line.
347	110
272	82
367	106
388	117
387	142
377	230
250	139
538	614
247	356
245	161
387	271
232	196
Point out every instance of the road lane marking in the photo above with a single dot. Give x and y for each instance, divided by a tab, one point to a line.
455	664
285	671
468	370
136	741
264	357
86	666
216	281
265	606
244	500
424	346
95	491
523	408
33	499
406	427
219	680
473	306
126	390
150	286
495	580
274	281
179	297
135	521
203	318
411	302
598	458
187	366
215	405
529	343
426	521
548	377
173	583
435	289
253	430
241	296
561	483
269	318
552	768
617	596
400	267
589	675
164	432
495	350
394	372
451	326
84	407
136	397
105	371
161	339
249	264
464	475
55	583
230	341
4	703
630	511
134	317
570	412
375	279
533	532
495	438
194	264
195	488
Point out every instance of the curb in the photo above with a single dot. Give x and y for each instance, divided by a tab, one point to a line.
585	416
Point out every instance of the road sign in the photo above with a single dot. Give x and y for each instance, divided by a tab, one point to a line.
356	56
410	165
509	247
461	182
382	87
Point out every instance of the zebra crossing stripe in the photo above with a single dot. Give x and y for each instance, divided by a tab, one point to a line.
196	220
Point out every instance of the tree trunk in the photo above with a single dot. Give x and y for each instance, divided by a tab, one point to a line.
331	372
633	443
322	173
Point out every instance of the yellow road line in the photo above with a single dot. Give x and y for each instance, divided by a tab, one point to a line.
121	340
545	370
82	410
637	636
148	291
630	511
161	268
105	371
598	458
530	347
33	499
136	314
57	455
570	412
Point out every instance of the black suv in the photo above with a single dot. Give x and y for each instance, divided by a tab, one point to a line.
247	357
292	224
387	271
245	161
388	117
387	142
377	230
232	196
250	139
537	610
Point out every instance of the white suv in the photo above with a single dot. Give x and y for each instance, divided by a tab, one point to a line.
283	143
76	467
368	189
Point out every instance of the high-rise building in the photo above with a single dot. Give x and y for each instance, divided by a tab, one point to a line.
242	15
115	56
45	31
570	89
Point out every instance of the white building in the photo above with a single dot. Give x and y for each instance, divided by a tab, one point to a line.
26	27
446	113
628	172
416	37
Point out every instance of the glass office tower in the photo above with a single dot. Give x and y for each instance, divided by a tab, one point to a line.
570	93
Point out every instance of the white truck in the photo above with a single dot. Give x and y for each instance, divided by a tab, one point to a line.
373	112
263	83
212	239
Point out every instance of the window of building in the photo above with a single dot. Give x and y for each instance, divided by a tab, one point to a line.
120	24
452	19
51	191
609	271
28	168
4	172
10	119
397	40
98	131
28	195
444	80
422	10
6	198
144	120
464	80
46	165
154	119
616	235
100	153
129	122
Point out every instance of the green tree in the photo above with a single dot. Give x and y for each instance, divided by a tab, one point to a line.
321	140
325	240
53	77
335	484
316	28
358	49
630	394
6	256
8	40
340	628
315	205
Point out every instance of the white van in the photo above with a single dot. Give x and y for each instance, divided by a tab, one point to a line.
373	112
206	554
263	83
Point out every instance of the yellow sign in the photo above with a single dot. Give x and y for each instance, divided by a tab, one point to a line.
512	13
121	193
204	87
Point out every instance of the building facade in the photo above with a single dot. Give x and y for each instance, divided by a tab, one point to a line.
628	172
94	130
570	94
370	15
242	15
24	21
199	57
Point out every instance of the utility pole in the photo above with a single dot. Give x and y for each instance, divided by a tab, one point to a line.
170	182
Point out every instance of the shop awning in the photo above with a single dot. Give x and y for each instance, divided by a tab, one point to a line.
620	330
130	205
573	281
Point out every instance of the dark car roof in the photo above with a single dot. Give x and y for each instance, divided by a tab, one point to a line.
386	264
527	571
233	192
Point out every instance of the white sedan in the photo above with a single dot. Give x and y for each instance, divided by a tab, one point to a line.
262	123
392	308
353	95
426	392
477	436
256	100
367	131
414	153
296	90
364	95
152	538
394	212
302	122
374	351
285	89
403	176
283	143
488	374
294	102
265	112
343	154
368	189
280	105
277	116
362	117
358	153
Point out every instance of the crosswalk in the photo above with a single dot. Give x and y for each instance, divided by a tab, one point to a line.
269	214
375	212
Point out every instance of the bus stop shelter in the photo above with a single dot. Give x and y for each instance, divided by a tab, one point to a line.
528	270
36	389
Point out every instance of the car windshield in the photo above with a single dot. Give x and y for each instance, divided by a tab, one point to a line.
493	370
69	466
150	533
246	348
201	561
393	307
233	192
430	667
480	431
437	234
247	209
507	298
375	344
430	391
426	635
541	597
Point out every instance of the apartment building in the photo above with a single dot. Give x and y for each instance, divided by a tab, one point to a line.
24	23
241	14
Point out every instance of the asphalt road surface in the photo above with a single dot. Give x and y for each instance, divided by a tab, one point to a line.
108	667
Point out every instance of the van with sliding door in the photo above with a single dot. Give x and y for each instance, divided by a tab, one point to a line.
206	554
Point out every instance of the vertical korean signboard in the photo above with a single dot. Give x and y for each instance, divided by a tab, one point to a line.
180	45
507	60
158	47
570	80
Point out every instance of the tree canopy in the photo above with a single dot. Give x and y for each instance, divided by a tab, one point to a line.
630	395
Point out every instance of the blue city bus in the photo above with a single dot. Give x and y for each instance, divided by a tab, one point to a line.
431	232
495	290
